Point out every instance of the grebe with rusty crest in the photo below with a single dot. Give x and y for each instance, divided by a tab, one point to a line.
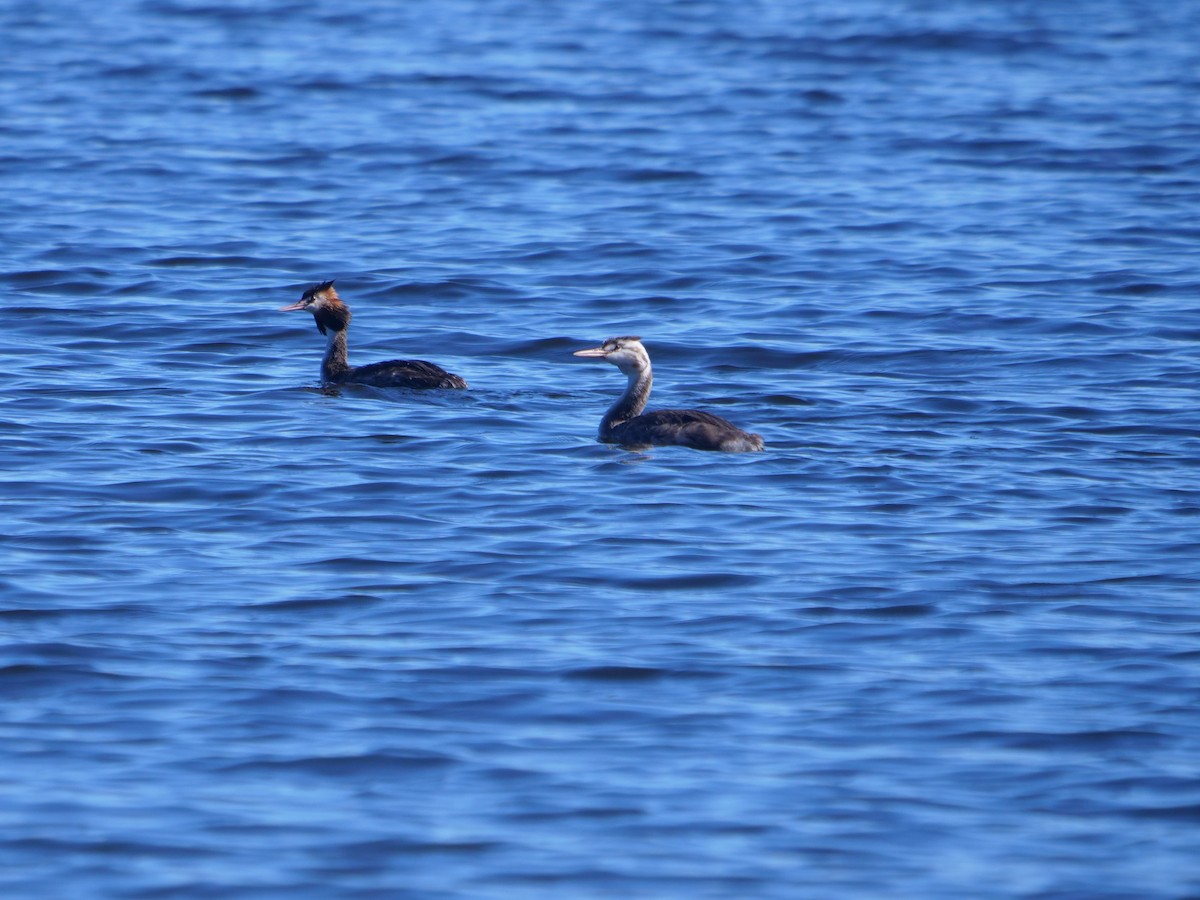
333	320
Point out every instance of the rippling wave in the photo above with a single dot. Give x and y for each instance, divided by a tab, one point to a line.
264	637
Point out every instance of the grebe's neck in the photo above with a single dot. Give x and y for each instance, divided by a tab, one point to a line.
632	402
334	366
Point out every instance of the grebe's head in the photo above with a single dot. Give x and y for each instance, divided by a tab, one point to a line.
626	353
330	313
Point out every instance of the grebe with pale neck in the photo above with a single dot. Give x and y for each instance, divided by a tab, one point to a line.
333	320
626	424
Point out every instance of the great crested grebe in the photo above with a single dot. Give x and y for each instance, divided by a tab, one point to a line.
625	424
333	320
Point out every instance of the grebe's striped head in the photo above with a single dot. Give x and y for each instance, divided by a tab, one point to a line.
626	353
330	313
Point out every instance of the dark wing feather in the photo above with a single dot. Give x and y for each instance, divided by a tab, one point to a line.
685	427
410	373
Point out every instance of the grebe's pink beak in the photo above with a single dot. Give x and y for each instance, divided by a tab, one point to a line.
595	353
299	304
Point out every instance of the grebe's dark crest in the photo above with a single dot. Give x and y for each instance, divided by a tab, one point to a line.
625	424
333	320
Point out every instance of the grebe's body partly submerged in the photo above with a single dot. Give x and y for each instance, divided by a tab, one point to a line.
626	424
333	320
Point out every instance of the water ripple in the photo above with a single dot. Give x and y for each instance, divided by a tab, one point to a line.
264	637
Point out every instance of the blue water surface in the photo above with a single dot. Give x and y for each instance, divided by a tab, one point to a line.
941	640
